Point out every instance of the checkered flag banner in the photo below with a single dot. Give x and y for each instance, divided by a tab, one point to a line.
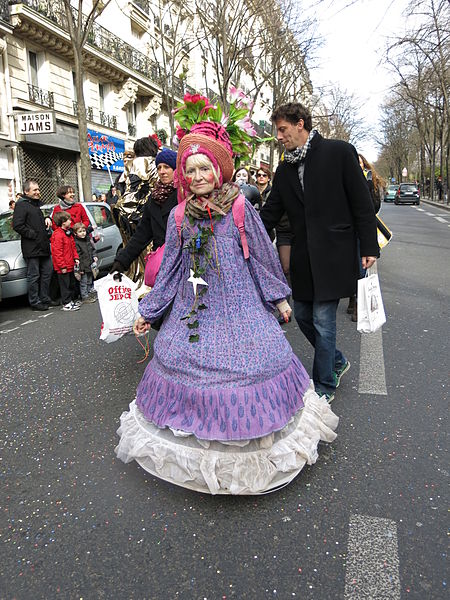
100	160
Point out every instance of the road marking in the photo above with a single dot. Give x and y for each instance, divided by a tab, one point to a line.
372	376
29	321
7	322
372	566
420	209
430	214
9	330
441	219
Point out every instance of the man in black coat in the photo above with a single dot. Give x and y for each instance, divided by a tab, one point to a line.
323	190
35	232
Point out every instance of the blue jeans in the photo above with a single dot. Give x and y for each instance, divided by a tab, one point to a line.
85	285
317	321
39	273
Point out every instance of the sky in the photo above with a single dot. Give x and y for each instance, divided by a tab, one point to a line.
353	41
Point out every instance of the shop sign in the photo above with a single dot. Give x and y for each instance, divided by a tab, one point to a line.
36	122
105	151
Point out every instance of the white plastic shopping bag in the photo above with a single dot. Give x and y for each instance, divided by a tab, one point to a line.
371	315
119	306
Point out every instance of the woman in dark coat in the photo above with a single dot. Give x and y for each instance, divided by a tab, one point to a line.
152	227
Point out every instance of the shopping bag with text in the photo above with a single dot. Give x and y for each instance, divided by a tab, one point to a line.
118	304
371	315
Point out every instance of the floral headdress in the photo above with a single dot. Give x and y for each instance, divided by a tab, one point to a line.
242	135
203	128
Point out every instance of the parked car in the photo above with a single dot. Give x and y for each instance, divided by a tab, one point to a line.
13	268
391	191
407	193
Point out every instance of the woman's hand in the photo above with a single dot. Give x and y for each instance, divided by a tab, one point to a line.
141	326
286	315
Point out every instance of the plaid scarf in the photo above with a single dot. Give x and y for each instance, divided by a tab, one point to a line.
298	155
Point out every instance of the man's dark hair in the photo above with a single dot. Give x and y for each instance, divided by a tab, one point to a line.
27	185
293	112
145	146
63	190
60	217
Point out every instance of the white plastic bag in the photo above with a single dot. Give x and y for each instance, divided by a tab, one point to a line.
119	306
371	315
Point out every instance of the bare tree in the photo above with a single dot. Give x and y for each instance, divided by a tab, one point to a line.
79	26
337	115
421	60
231	32
172	40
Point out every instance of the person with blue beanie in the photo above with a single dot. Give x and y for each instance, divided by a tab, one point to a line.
152	227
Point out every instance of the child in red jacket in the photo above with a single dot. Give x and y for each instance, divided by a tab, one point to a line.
65	257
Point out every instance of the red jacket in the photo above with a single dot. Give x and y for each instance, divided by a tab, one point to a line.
64	251
77	214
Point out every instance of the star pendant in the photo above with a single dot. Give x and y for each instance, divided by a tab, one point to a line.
196	281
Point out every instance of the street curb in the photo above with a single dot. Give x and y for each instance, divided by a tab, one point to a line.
437	204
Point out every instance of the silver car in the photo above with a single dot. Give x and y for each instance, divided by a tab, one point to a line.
13	270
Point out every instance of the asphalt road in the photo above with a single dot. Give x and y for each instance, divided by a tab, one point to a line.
366	521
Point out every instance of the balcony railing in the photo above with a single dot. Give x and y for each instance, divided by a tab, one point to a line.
108	120
102	39
4	10
143	5
131	130
40	96
89	111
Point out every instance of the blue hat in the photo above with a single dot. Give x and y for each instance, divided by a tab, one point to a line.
168	157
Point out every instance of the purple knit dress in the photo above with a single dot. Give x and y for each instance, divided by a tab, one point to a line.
241	380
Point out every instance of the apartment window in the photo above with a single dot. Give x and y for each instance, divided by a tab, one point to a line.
33	68
101	96
74	87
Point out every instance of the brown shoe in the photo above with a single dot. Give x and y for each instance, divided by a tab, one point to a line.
351	305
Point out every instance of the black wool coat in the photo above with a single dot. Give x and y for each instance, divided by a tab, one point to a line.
29	223
326	217
152	227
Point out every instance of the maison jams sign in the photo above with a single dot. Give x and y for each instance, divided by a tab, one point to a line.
36	122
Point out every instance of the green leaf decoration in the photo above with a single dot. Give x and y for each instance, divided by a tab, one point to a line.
194	338
202	307
193	325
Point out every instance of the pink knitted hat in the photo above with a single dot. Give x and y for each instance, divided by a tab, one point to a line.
211	139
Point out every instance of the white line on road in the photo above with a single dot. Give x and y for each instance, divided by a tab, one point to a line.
372	568
441	219
372	376
29	321
430	214
420	209
7	322
9	330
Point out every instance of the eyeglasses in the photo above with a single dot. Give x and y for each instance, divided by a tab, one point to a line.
262	175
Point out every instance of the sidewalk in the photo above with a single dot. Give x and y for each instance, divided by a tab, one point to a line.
437	204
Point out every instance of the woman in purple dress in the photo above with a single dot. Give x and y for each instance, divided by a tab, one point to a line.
224	406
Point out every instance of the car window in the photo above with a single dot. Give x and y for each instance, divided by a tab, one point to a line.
7	233
408	188
102	215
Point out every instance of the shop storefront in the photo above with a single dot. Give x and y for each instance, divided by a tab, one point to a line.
51	159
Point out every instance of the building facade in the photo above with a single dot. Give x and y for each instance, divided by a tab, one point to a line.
139	59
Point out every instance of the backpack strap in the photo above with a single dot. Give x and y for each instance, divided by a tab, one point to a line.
179	216
239	220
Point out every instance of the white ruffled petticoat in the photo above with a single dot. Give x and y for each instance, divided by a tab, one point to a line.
245	467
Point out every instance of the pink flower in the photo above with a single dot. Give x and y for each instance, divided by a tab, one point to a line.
180	133
195	98
236	93
246	125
